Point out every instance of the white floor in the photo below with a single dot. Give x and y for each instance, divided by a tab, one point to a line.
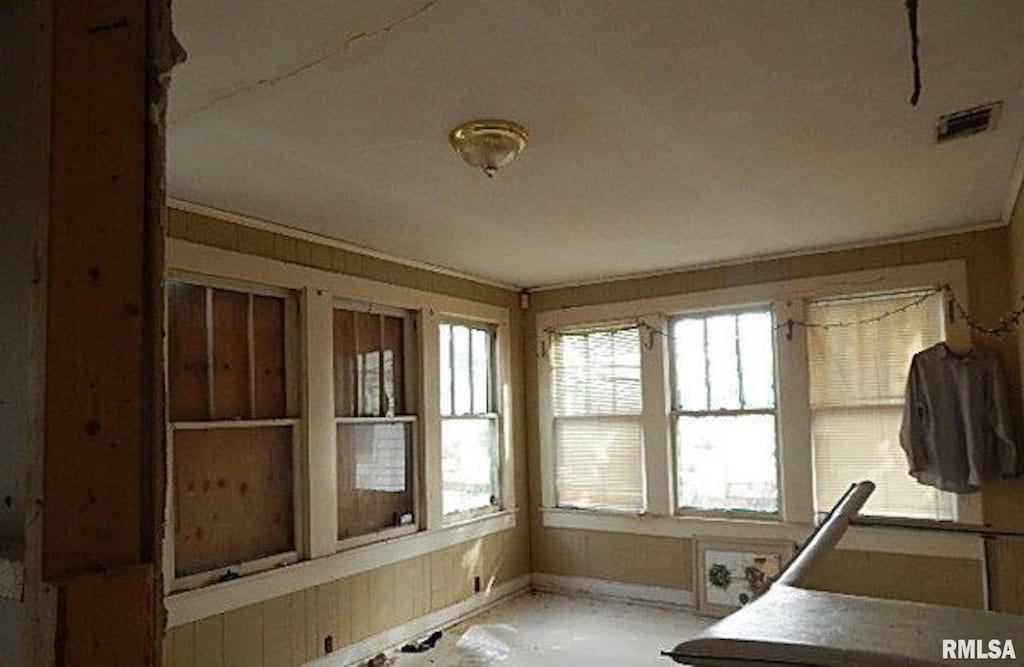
539	629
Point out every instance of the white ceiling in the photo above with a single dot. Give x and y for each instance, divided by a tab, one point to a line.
664	134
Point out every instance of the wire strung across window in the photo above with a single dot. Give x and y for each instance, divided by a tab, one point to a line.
1006	325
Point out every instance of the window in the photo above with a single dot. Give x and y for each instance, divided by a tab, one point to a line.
375	427
231	407
597	426
858	376
469	420
723	412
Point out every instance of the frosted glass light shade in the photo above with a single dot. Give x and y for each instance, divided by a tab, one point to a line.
488	144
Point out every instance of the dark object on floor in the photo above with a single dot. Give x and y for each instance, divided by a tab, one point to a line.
423	645
379	660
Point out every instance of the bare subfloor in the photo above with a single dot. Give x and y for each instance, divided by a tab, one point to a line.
540	629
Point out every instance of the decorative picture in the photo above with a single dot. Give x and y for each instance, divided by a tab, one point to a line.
731	574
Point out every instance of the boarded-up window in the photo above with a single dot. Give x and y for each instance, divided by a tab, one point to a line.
374	429
232	423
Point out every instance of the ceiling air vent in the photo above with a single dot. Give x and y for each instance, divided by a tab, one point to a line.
968	122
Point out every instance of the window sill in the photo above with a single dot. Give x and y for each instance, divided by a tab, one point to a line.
887	539
193	605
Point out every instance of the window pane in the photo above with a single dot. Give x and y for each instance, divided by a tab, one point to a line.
757	360
596	373
723	367
460	370
445	331
469	464
231	355
599	464
691	390
868	364
857	379
188	384
851	445
393	346
344	363
233	496
374	477
727	463
481	347
368	363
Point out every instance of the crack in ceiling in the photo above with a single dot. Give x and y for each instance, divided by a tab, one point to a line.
243	88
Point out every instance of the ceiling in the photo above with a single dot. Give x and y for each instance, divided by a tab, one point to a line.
664	134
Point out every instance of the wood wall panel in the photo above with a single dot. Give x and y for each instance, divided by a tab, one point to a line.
344	363
364	509
293	628
392	346
234	500
270	390
97	386
107	619
368	361
231	399
187	364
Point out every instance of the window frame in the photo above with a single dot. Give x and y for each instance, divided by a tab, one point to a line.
410	381
496	414
796	516
675	414
173	581
548	427
319	558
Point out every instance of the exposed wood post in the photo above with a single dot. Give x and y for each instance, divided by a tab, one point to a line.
103	396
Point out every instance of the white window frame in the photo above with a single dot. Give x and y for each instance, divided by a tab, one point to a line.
796	516
320	558
648	364
674	414
410	371
186	582
496	414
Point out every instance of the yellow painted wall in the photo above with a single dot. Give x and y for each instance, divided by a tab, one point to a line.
950	581
567	552
289	630
1005	501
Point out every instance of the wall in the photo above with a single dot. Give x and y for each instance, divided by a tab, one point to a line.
1007	498
939	580
293	627
24	105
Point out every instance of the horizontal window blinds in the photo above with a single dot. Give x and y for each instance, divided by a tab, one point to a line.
597	403
858	375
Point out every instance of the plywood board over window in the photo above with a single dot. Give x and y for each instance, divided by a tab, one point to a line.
232	419
375	428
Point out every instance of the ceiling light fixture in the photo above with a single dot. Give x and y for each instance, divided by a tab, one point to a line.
488	144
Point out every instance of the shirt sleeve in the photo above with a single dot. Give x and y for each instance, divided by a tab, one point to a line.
999	416
913	430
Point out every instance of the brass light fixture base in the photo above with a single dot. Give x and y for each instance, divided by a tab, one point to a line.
488	144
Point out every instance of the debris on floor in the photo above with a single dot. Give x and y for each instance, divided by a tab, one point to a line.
380	660
480	645
423	644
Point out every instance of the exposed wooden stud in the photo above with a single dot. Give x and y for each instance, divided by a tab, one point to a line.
210	362
250	335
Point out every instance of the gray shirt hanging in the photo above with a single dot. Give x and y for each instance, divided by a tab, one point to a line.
956	422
